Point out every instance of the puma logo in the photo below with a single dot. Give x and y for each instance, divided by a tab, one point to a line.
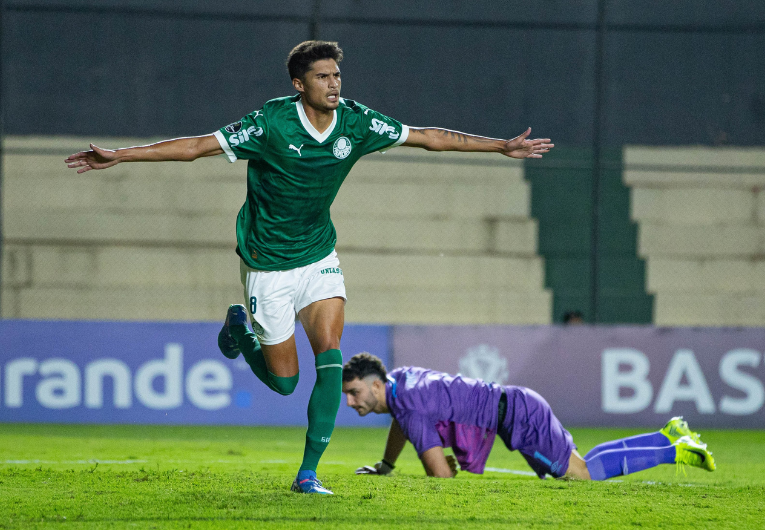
297	149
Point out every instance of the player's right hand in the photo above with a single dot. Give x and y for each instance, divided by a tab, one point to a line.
378	469
96	158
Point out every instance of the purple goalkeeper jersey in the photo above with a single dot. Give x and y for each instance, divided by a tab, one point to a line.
435	409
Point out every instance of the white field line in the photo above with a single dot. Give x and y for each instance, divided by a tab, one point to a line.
331	463
99	461
511	471
91	461
656	483
648	482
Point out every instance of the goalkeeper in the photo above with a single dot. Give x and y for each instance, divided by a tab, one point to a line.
434	410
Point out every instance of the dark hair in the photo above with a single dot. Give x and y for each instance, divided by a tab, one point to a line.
363	364
306	53
568	316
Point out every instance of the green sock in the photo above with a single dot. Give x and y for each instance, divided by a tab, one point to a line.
283	385
323	407
250	348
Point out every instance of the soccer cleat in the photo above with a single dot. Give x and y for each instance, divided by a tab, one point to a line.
310	484
693	454
676	428
235	316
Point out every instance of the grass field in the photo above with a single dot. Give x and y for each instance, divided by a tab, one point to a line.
72	476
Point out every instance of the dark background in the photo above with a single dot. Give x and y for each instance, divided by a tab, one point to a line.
681	72
592	75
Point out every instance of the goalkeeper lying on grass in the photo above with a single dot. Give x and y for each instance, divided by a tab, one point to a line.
434	410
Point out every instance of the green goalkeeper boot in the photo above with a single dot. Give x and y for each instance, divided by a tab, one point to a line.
676	428
693	454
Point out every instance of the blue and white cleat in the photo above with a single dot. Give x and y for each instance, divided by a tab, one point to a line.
309	484
235	316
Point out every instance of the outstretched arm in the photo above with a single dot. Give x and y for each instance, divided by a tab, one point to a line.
179	149
433	139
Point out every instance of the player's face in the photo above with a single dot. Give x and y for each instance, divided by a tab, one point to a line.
320	87
359	396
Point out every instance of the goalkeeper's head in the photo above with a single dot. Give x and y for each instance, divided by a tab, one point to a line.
364	378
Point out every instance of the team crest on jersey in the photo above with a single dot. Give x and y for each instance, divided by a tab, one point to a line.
342	147
257	328
234	127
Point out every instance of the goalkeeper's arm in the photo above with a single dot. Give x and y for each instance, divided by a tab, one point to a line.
437	464
393	448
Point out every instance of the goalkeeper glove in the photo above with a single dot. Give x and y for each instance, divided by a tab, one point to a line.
380	468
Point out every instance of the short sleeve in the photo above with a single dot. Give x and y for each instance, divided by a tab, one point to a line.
382	132
421	431
244	139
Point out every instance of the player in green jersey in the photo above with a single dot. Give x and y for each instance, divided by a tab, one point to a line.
299	150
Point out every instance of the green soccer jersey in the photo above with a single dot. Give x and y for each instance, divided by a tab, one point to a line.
294	173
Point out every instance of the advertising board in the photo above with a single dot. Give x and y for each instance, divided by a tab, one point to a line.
608	376
125	372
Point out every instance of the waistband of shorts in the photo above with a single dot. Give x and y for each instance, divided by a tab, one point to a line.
501	409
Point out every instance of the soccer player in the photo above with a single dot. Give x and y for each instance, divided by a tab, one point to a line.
299	150
434	410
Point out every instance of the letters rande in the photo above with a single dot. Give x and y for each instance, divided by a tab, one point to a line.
157	384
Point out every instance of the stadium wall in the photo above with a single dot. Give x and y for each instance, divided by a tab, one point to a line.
679	73
589	247
172	373
701	218
595	76
424	238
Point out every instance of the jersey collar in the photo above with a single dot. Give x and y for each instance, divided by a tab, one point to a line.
393	386
390	393
310	129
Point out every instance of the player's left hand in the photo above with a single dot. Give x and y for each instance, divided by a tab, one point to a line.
520	147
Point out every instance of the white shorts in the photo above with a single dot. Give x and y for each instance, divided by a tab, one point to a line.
274	298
